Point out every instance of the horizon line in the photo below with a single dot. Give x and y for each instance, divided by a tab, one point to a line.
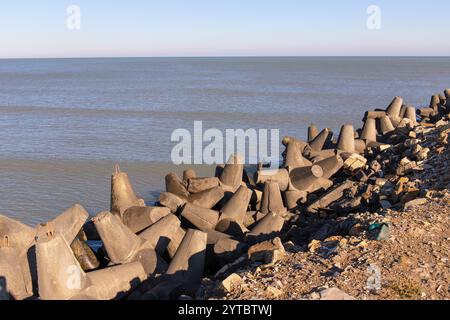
226	56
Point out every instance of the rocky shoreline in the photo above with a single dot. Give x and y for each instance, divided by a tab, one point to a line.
363	215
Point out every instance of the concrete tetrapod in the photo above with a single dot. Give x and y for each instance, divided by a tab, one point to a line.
313	132
374	114
323	154
386	125
321	140
300	144
171	201
226	250
307	179
176	186
293	157
232	227
22	237
174	244
393	110
271	199
293	197
360	146
61	277
19	235
185	271
122	193
68	224
11	270
435	102
196	185
207	199
123	246
402	111
189	174
369	132
160	234
222	248
447	102
201	218
236	208
447	93
140	218
267	228
346	141
233	172
280	176
330	197
411	114
187	265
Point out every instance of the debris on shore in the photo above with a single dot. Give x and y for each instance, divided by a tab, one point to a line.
368	200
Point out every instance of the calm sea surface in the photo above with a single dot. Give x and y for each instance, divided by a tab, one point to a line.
65	122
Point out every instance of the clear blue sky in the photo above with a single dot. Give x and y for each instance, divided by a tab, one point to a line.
222	28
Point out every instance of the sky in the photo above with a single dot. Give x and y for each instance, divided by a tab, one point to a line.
160	28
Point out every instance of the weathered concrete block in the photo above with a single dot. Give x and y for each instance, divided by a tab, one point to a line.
171	201
122	193
232	174
87	259
268	252
140	218
208	198
188	263
293	156
280	176
393	110
330	197
293	197
313	132
19	235
303	179
202	218
321	140
176	186
272	200
354	163
386	125
267	228
11	271
331	165
236	208
196	185
369	131
123	246
68	224
346	140
189	174
160	234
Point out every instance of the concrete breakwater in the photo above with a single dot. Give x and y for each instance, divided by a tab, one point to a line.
206	226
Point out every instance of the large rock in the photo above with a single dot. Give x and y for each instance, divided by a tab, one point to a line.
334	294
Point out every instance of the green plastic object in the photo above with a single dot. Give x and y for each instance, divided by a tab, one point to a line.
383	230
